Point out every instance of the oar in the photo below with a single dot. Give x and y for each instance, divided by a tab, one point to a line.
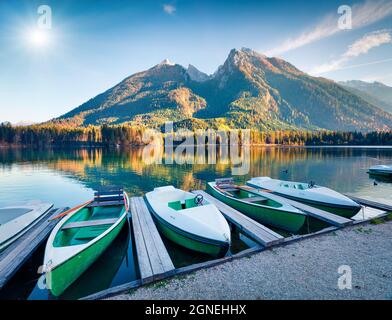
70	210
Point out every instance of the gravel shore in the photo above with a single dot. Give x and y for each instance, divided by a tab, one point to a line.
306	269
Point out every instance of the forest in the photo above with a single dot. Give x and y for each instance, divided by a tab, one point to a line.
60	135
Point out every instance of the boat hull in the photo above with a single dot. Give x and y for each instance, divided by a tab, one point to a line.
277	218
63	275
13	229
347	211
190	241
381	173
343	211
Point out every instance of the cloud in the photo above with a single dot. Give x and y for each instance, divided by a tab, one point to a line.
169	8
359	47
363	14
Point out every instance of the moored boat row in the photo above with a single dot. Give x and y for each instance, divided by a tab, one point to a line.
187	219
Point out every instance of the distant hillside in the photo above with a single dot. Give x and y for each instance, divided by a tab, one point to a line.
249	90
375	93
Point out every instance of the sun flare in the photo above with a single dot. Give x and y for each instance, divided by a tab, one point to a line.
38	38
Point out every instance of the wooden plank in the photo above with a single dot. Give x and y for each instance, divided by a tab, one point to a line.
224	181
372	204
88	223
160	248
113	291
321	214
101	203
109	199
108	193
255	230
141	250
154	258
153	254
14	256
315	212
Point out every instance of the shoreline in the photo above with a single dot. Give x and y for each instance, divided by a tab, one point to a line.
307	269
97	146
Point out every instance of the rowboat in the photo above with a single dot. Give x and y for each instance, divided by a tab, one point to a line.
260	206
189	220
17	220
105	269
80	238
309	193
382	170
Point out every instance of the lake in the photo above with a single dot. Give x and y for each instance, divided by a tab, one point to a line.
67	177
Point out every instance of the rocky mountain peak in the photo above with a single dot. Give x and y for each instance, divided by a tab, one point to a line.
249	90
197	75
166	62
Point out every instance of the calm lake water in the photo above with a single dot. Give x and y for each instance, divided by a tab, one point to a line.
67	177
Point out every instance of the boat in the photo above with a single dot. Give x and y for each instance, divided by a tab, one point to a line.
189	220
18	219
382	170
309	193
105	269
81	237
260	206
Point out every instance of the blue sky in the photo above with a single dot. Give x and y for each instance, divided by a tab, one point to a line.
94	44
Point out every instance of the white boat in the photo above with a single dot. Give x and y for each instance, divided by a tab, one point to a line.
309	193
382	169
16	220
189	220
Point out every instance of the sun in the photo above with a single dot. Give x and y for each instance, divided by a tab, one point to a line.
38	38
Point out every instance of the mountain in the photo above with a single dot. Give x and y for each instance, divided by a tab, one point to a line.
196	75
249	90
375	93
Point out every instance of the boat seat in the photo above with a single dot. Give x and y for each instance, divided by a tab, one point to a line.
89	233
190	203
224	181
88	223
176	205
255	199
229	189
105	203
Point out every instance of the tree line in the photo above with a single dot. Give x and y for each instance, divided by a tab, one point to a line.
106	135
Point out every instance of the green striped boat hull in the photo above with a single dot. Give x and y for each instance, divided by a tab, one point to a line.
61	277
190	241
347	212
267	215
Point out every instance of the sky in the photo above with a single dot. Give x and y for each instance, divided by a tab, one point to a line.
50	66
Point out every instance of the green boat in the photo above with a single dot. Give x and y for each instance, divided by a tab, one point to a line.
80	238
189	220
260	206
